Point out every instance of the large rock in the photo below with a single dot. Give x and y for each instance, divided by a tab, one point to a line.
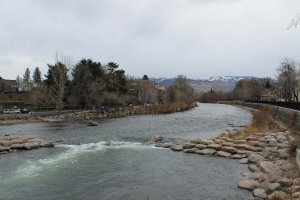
229	149
206	142
253	168
238	141
17	146
223	154
2	148
281	138
214	146
271	187
177	147
46	144
206	151
268	166
285	182
244	161
284	153
188	145
193	150
254	158
92	123
239	156
5	143
252	148
248	184
201	146
196	141
260	193
31	145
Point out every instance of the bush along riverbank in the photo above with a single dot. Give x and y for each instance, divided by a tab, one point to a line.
267	150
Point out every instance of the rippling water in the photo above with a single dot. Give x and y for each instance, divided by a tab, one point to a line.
112	161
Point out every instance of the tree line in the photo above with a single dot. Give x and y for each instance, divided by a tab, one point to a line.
89	84
286	87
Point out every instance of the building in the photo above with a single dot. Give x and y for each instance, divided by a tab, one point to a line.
9	86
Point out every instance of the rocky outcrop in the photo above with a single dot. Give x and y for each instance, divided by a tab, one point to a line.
13	143
267	155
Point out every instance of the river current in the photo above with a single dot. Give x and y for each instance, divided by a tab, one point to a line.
112	161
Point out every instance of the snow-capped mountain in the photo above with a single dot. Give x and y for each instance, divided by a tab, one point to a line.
218	83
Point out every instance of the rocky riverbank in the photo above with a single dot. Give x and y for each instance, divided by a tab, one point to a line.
10	144
272	168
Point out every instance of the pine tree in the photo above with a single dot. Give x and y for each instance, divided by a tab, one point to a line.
37	77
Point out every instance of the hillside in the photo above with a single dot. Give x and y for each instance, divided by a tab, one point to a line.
218	83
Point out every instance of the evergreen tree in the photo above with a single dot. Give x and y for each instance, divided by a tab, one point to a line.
27	79
37	76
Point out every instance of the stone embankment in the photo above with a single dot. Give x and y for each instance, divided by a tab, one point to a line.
16	143
272	169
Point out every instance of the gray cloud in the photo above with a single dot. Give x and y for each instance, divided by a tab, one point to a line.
158	37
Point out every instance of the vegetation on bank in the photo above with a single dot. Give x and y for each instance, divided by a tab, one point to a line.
92	85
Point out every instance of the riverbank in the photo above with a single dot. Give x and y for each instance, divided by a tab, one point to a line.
57	116
267	149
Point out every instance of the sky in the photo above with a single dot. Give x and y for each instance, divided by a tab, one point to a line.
160	38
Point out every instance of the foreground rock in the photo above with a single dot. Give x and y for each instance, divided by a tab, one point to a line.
92	123
13	143
248	184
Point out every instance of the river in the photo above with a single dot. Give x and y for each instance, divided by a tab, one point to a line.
111	161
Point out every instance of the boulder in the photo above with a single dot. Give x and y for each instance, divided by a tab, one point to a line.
296	195
284	153
229	149
167	145
193	150
17	146
5	143
238	141
271	187
229	144
2	148
253	168
285	182
201	146
177	147
188	145
281	138
239	156
46	144
195	141
92	123
254	143
268	167
223	154
214	146
206	142
31	145
296	181
206	151
254	158
244	161
248	184
260	193
218	141
253	148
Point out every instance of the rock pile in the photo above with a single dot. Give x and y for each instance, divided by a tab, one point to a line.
13	143
272	170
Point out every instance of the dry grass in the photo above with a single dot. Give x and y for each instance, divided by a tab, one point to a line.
278	196
262	121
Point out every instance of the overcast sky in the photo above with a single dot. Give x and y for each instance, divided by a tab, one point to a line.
160	38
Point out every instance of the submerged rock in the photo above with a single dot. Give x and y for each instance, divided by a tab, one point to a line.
260	193
92	123
177	147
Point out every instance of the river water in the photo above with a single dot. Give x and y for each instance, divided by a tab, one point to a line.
112	161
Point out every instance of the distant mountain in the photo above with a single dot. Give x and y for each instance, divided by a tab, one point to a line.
218	83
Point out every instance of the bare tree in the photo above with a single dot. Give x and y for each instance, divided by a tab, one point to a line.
295	22
287	79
